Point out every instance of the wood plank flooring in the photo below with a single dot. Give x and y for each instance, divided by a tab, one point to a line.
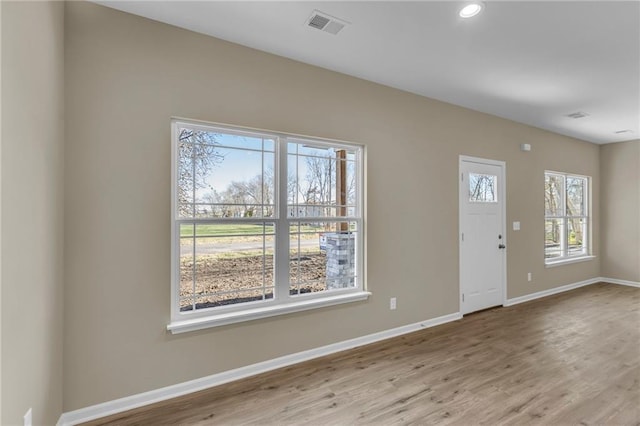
572	358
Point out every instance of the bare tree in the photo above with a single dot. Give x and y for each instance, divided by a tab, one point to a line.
552	194
197	154
253	197
351	183
236	201
319	184
213	206
575	207
482	188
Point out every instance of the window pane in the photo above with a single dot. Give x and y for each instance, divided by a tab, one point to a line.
187	262
322	182
553	195
351	187
196	136
553	235
322	256
306	148
575	196
307	261
185	180
228	264
223	175
482	188
576	231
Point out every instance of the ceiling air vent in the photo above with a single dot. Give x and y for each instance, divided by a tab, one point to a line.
578	114
327	23
620	132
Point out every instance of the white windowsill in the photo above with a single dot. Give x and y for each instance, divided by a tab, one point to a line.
217	320
568	260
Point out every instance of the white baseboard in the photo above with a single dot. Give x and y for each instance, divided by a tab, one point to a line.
551	291
545	293
134	401
620	282
146	398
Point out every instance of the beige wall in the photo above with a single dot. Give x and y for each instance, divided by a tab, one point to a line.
620	220
126	76
32	207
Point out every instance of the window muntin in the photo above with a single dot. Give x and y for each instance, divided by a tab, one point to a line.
566	216
224	174
229	187
322	180
553	195
223	264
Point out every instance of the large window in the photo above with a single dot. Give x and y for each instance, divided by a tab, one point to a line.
263	224
566	210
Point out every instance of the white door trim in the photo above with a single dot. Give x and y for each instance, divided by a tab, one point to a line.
502	196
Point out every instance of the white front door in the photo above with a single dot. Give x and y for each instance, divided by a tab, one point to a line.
482	234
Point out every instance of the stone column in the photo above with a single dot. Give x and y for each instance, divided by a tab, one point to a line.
340	259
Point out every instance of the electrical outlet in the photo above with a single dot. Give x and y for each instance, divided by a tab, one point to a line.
392	303
529	276
28	420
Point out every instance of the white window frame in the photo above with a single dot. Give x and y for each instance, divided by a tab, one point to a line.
282	302
585	254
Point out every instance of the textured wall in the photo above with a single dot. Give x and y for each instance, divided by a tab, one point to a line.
620	177
126	76
32	207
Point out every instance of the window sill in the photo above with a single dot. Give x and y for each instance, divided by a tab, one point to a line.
183	326
567	261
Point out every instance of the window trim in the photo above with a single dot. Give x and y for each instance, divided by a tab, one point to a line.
183	321
569	260
586	253
216	320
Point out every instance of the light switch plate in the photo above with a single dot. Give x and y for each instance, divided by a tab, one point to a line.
516	226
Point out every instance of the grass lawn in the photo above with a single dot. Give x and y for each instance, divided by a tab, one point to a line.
214	230
234	229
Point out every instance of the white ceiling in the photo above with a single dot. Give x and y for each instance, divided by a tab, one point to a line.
531	62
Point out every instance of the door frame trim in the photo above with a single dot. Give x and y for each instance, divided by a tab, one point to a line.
503	196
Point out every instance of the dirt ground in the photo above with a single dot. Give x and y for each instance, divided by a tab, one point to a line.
233	276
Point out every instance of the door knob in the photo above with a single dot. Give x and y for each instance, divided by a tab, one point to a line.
502	246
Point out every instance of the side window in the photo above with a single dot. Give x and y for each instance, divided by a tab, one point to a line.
566	216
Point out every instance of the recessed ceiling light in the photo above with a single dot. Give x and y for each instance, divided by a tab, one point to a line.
471	9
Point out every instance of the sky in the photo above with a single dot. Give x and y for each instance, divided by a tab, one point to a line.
248	162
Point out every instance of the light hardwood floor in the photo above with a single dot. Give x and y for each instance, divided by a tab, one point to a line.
572	358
